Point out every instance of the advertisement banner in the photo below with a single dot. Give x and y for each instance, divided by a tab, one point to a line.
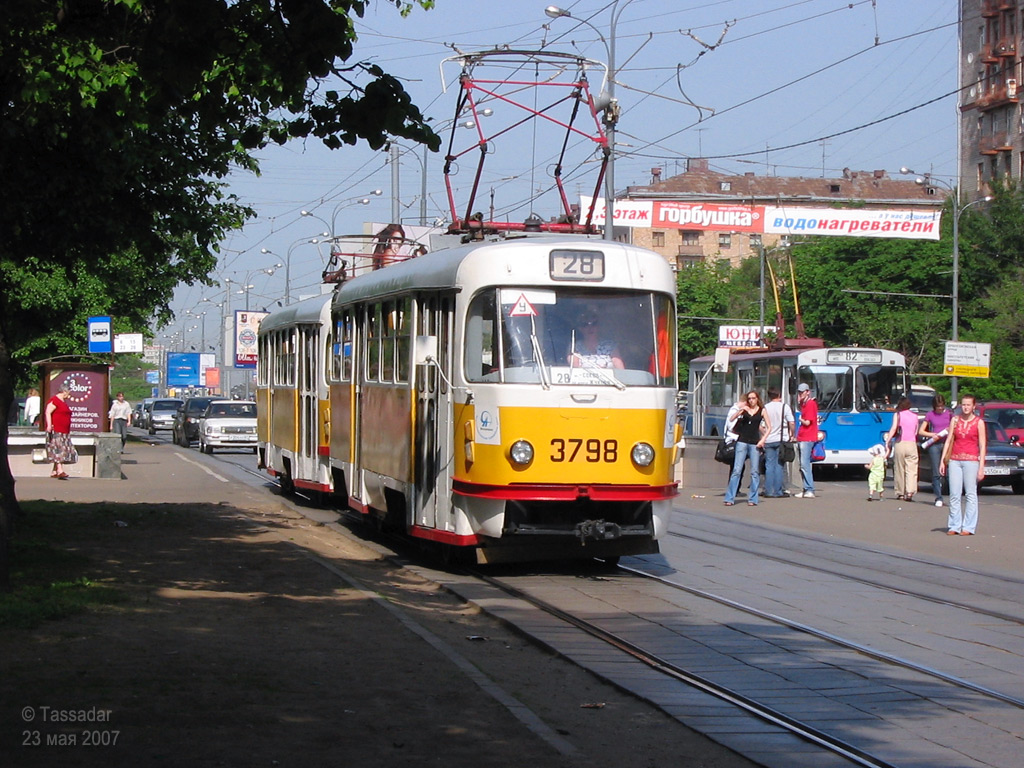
182	369
838	222
88	401
247	326
743	336
628	213
709	217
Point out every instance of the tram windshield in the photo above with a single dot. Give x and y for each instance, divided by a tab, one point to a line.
567	336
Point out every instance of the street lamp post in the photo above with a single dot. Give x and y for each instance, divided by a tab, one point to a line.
611	105
288	258
958	209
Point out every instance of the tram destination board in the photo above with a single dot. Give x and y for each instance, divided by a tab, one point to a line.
585	266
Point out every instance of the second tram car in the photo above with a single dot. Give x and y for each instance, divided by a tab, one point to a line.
515	398
292	396
856	389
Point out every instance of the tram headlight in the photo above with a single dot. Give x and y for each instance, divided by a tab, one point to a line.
521	452
643	454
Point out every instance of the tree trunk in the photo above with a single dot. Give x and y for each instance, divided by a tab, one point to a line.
9	508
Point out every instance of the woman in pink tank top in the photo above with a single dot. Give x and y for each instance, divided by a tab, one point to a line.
963	459
904	456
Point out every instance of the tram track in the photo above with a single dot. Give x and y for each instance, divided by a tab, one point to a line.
877	584
765	713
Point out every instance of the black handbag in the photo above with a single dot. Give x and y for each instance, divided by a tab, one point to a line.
725	452
787	453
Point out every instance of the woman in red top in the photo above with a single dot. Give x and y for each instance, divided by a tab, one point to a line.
963	458
58	433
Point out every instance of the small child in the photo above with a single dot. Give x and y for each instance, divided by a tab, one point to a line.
876	470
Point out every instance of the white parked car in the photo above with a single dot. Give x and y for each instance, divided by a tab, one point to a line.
228	424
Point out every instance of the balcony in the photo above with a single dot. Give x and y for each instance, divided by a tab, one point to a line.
1006	47
994	144
998	96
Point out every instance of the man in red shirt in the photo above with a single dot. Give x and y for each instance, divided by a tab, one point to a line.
807	436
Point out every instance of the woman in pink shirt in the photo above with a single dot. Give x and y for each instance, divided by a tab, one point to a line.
963	458
904	457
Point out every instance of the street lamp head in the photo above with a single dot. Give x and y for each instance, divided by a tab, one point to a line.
906	171
554	12
265	250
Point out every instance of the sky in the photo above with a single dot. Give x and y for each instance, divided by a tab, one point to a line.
771	87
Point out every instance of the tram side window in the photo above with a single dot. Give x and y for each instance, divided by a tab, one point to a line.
403	339
387	342
372	328
284	358
481	340
263	352
343	346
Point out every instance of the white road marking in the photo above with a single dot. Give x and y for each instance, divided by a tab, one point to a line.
203	467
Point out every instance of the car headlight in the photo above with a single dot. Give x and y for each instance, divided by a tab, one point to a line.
643	454
1020	463
521	452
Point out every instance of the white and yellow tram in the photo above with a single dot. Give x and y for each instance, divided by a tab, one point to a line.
516	397
292	395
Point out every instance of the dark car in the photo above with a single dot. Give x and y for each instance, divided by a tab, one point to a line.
186	421
160	413
1004	461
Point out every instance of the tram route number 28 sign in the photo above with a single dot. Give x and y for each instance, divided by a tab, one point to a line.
964	358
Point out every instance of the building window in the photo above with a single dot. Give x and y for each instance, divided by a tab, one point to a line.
724	240
833	188
658	239
688	262
755	241
691	237
725	186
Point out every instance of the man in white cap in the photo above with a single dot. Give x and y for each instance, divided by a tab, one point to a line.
806	436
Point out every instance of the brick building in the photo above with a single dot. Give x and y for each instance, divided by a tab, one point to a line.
991	130
727	236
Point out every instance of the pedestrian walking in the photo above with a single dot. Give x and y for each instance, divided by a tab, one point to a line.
806	436
59	449
780	416
32	407
902	440
963	460
876	470
934	428
120	415
751	426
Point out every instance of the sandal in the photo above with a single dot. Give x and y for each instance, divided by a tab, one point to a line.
728	503
63	476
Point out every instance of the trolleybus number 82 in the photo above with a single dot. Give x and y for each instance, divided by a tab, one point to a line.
594	450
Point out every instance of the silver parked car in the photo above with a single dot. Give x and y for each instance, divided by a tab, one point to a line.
160	414
228	424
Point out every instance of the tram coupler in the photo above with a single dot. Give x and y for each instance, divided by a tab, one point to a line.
597	530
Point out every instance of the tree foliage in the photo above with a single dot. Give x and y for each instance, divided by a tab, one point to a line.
119	118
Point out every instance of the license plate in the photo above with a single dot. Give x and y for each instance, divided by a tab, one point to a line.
997	470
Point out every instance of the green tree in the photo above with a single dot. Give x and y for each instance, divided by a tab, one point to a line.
118	120
704	295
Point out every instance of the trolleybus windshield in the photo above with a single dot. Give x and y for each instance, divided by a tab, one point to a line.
570	336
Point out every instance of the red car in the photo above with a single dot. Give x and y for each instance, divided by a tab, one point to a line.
1010	416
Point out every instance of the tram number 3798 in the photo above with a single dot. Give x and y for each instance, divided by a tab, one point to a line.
594	450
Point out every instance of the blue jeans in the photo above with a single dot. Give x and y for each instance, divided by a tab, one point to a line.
935	457
963	479
772	470
803	449
743	451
